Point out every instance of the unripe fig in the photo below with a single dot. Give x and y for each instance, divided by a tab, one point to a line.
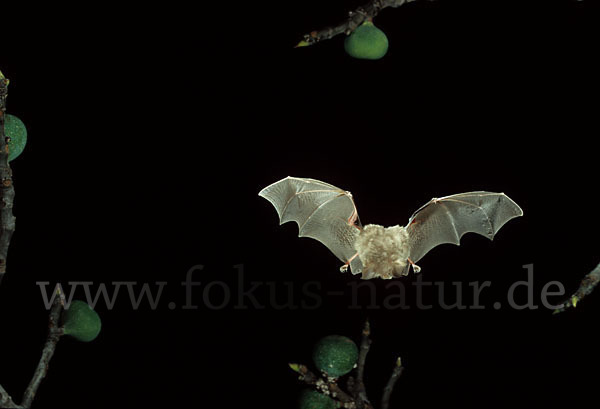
367	42
311	399
15	129
335	355
81	322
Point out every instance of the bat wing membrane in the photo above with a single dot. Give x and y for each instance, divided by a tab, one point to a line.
321	211
447	219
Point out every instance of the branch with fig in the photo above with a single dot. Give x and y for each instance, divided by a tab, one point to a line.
76	319
338	359
363	39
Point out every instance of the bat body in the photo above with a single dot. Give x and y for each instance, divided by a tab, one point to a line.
328	214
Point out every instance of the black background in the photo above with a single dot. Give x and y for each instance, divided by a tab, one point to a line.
152	129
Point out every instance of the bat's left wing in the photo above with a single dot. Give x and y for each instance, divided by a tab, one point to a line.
447	219
323	212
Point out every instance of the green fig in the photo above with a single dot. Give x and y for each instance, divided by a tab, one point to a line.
81	322
311	399
335	355
367	42
15	129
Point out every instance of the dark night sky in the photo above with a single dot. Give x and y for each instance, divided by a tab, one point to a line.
153	129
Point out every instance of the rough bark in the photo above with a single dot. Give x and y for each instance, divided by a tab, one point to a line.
7	191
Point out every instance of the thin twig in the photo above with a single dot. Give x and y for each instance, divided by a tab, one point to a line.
55	331
7	192
355	19
360	391
589	282
389	387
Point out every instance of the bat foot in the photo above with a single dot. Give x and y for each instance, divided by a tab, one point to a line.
344	268
416	268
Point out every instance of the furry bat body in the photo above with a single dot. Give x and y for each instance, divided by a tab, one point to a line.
328	214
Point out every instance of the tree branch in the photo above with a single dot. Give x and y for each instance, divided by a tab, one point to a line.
325	386
6	401
389	387
7	192
355	19
589	282
55	331
360	391
7	227
357	398
7	222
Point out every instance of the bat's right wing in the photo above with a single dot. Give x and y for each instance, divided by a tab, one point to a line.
322	211
447	219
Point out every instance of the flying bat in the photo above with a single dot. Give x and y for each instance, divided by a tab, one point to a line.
328	214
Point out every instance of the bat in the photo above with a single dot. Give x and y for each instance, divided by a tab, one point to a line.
328	214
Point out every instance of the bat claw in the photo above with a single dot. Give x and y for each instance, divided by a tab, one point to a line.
416	268
344	268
